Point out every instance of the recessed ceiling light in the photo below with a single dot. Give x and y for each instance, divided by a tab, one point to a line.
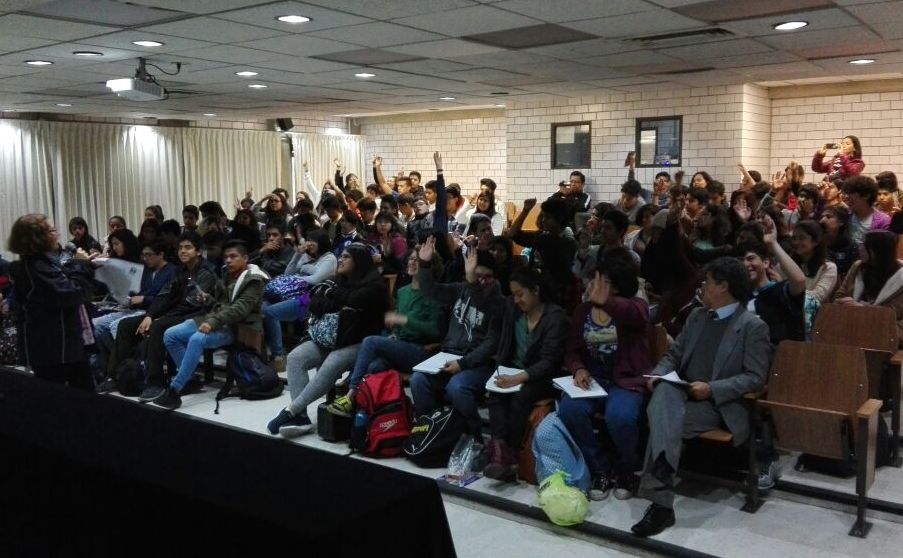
209	114
500	105
258	86
446	98
63	105
364	75
148	43
246	74
87	53
293	19
38	63
862	61
790	25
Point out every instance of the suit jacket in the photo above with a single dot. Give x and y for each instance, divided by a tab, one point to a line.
741	364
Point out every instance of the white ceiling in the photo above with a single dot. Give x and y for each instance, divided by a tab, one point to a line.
417	51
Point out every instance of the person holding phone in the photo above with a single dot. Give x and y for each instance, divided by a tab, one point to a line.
845	163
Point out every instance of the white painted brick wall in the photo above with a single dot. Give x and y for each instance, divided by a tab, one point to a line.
316	124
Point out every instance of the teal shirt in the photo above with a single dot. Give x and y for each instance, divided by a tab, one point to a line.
426	320
522	340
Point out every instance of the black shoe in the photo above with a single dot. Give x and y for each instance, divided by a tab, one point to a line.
296	426
657	519
194	385
106	386
601	487
169	399
150	393
284	417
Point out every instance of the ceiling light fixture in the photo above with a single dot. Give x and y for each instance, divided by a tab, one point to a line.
258	86
63	105
246	74
87	53
446	98
293	19
500	105
862	61
365	75
209	114
148	43
790	25
38	63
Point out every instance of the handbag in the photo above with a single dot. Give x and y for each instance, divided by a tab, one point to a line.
334	330
284	287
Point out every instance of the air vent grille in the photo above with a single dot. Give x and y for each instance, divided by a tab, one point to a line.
681	37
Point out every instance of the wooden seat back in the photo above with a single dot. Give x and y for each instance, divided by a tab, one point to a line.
658	342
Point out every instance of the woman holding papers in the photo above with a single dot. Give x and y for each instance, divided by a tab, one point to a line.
608	345
531	350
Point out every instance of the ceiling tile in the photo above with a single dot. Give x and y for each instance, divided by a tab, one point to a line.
301	64
729	10
544	34
632	58
880	12
44	28
298	45
889	30
320	18
65	50
718	49
124	40
213	30
756	59
818	20
428	66
581	49
367	56
571	10
198	6
448	48
467	21
229	53
820	38
377	34
482	74
849	50
636	25
393	9
10	43
104	12
17	5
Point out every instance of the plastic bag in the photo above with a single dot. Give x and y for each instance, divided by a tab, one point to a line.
466	460
563	504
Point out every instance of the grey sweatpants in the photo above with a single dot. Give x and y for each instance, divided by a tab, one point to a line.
330	365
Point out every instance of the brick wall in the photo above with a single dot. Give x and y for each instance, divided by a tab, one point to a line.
472	143
801	125
756	137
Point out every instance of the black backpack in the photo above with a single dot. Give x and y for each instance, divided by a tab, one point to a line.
433	437
130	377
253	378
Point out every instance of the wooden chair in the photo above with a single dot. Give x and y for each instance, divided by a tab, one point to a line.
874	329
245	335
819	404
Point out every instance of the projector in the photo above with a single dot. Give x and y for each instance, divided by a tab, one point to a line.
135	89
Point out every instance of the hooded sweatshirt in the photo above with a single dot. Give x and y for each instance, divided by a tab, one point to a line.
238	301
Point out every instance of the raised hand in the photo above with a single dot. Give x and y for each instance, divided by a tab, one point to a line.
437	158
470	265
599	290
428	249
742	209
377	162
771	235
529	204
338	163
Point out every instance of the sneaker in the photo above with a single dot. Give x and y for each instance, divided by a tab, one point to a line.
627	486
341	406
656	519
769	473
150	393
194	385
278	363
502	462
297	426
169	399
601	487
284	417
106	386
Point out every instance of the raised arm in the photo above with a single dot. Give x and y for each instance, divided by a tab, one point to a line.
380	178
518	223
795	276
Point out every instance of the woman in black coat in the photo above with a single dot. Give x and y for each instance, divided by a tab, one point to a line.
49	298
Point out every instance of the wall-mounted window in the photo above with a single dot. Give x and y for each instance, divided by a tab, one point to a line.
658	141
571	145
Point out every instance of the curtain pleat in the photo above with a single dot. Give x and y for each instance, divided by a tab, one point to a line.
26	184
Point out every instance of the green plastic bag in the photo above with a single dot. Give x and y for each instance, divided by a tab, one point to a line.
563	504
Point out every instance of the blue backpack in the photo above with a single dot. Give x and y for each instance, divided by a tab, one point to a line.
253	378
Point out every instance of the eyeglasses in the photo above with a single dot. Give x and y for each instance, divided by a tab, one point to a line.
147	254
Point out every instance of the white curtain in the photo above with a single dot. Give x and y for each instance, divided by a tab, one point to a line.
222	165
319	151
100	170
25	180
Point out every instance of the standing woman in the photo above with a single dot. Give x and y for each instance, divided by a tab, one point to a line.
845	163
49	299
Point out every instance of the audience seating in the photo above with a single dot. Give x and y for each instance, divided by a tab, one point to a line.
818	396
874	329
247	336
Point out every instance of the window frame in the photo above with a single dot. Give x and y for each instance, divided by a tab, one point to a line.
638	127
586	155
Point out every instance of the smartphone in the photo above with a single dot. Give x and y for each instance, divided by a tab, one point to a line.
831	146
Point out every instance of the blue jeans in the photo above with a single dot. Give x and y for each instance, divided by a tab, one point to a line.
622	410
379	353
273	315
109	323
462	389
186	345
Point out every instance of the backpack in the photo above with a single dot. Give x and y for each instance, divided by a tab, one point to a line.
284	287
254	378
130	377
526	463
382	422
433	437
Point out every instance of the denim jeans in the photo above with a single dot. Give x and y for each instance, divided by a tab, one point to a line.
463	389
273	316
622	410
109	323
379	353
186	345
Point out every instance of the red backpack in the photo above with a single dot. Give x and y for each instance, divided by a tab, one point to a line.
384	415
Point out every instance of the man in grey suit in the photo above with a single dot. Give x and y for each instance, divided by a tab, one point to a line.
723	352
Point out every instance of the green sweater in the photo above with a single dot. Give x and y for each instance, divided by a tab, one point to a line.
426	320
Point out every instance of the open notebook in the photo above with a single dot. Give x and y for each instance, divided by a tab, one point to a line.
435	363
566	384
503	371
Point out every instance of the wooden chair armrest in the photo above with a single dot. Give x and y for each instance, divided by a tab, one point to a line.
897	358
869	408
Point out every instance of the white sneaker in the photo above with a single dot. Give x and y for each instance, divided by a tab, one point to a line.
768	474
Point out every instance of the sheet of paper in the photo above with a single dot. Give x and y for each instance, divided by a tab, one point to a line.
670	377
503	371
566	384
435	363
120	276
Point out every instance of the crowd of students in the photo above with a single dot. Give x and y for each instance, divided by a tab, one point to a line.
728	276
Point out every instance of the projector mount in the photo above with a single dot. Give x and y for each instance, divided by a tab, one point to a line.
141	72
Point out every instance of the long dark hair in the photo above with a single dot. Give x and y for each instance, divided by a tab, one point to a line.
129	241
363	263
491	196
148	224
819	253
531	279
857	147
844	234
882	263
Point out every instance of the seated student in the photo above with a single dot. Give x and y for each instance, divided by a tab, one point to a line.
532	339
502	251
877	278
710	234
389	205
237	302
485	204
213	251
608	342
809	252
78	228
405	210
390	244
367	210
315	263
181	298
637	240
332	208
736	341
888	195
273	257
860	193
245	229
149	231
612	225
417	321
349	232
421	224
190	217
631	199
838	240
124	246
457	206
359	286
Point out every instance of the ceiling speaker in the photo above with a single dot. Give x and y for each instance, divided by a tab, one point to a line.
284	124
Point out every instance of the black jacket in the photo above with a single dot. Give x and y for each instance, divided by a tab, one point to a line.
369	295
179	298
48	296
545	355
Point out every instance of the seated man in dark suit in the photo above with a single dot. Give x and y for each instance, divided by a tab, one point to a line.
723	352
